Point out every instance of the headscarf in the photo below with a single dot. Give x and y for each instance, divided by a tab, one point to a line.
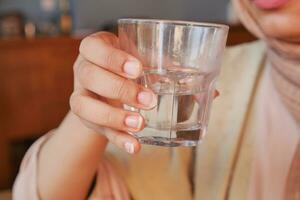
283	56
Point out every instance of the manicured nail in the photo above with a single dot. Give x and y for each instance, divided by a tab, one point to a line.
129	147
134	121
148	99
132	68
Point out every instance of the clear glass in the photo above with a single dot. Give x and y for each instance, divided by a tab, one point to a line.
181	63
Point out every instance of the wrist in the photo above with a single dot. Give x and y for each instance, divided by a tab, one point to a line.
75	130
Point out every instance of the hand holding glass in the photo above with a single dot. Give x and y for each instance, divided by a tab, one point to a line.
181	63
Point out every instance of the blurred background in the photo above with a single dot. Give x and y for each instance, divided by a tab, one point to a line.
39	42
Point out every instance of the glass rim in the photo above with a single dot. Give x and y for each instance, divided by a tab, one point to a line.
173	22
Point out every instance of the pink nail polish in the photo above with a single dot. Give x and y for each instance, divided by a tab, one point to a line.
129	147
147	99
134	121
132	68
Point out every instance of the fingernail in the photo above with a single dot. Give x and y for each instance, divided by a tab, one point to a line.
129	147
134	121
132	68
148	99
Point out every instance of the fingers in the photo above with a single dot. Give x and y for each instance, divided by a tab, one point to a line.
102	114
103	70
122	140
102	50
112	86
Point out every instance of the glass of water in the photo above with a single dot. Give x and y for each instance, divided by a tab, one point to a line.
181	62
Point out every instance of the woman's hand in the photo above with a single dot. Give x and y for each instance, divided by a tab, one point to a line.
102	84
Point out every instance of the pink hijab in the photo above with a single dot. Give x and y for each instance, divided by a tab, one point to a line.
284	58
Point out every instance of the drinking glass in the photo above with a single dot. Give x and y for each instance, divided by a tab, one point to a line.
181	61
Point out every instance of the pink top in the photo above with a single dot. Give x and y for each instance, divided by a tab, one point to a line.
275	146
108	185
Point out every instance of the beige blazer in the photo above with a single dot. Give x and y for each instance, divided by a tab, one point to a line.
219	168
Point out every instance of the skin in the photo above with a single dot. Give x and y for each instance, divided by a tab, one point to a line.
100	86
68	160
282	23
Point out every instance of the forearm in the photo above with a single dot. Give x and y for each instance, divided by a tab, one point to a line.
68	160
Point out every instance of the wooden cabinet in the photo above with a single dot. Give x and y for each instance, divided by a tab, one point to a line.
36	80
238	34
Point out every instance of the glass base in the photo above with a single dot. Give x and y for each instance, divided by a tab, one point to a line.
167	142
